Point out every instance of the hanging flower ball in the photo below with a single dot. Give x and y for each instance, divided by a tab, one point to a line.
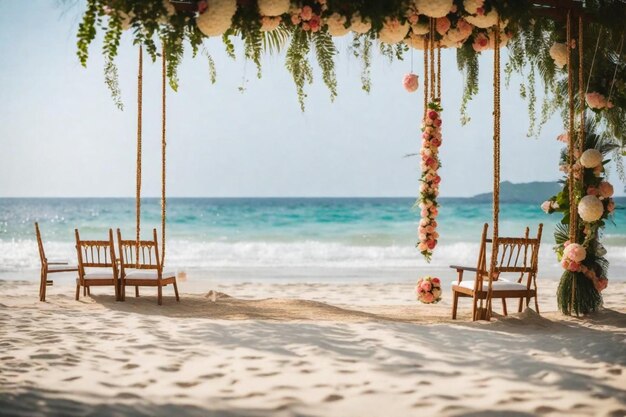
273	7
590	208
558	52
217	17
605	189
575	252
434	8
360	25
337	25
591	158
410	82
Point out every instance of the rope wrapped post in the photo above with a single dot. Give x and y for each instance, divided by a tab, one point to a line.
426	70
139	133
573	213
163	150
496	166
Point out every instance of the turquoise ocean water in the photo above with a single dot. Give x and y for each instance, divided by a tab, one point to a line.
341	236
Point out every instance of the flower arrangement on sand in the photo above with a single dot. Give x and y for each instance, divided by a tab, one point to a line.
428	290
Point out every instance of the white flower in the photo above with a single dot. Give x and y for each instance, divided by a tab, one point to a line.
590	208
415	41
546	206
472	6
558	52
217	18
269	23
591	158
360	25
486	20
434	8
420	28
393	31
273	7
337	25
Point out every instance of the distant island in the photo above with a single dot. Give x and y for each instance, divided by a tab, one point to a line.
528	192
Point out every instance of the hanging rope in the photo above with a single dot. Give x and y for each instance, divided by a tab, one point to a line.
573	219
496	164
439	72
426	80
581	91
163	146
139	132
593	60
619	57
431	52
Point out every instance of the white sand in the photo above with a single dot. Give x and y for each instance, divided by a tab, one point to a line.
302	350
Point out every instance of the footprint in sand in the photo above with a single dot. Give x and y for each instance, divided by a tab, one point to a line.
211	376
615	371
187	384
332	398
129	366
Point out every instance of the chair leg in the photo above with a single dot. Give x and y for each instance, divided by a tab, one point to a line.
136	291
474	308
455	303
88	291
176	291
521	302
84	291
504	306
536	304
77	289
42	285
160	295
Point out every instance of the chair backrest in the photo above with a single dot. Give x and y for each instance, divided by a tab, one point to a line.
42	253
512	255
95	253
144	256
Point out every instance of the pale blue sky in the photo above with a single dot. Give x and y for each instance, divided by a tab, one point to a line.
61	135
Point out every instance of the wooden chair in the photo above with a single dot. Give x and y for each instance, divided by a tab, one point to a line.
49	266
517	256
98	254
144	265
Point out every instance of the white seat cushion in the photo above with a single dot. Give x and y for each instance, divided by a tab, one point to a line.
499	285
62	267
149	274
58	261
99	275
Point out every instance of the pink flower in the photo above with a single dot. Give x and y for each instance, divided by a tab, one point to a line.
442	25
432	115
428	298
431	244
422	247
480	11
202	6
570	265
306	13
434	211
436	280
410	82
424	213
306	27
605	189
315	23
610	207
597	101
481	42
295	19
575	252
426	286
437	122
592	190
601	284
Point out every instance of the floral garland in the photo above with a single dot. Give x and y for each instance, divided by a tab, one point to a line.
584	263
430	179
